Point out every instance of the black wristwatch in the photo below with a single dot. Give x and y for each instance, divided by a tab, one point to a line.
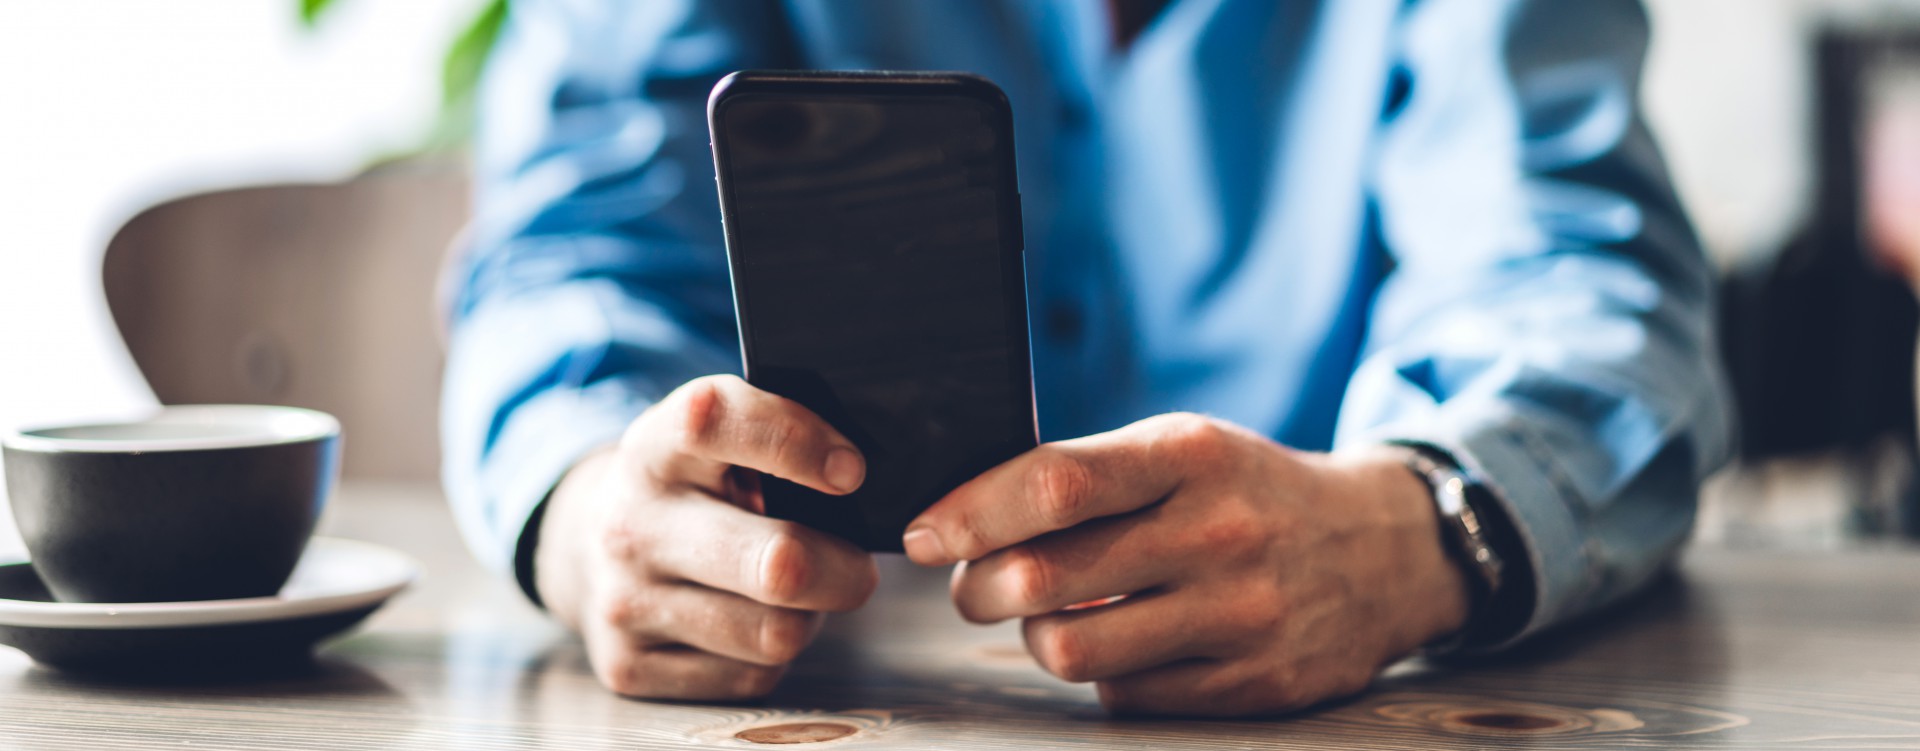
1464	535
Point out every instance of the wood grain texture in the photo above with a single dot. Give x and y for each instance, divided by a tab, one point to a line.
1740	650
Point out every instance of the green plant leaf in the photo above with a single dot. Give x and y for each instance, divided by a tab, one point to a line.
311	10
459	73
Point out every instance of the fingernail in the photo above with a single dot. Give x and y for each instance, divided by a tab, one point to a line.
924	547
845	470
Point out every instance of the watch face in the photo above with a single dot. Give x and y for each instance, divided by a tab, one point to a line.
1457	499
1475	548
1466	536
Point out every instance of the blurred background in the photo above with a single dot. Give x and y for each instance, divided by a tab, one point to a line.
247	200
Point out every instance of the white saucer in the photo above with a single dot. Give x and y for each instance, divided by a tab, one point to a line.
338	583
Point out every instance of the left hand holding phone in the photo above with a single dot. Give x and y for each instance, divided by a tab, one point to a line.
656	551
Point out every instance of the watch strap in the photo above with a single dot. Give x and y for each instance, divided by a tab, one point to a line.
1465	537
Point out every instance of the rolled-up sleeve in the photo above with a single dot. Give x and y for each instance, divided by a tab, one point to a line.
594	279
1548	317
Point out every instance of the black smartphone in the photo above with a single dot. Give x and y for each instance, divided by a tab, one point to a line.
873	233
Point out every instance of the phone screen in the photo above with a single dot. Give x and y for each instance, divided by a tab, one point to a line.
875	248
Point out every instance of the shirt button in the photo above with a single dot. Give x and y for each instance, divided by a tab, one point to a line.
1063	322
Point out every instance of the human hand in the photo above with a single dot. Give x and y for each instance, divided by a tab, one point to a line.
1257	578
656	551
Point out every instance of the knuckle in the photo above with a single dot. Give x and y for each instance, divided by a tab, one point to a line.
620	611
785	572
1194	433
965	539
782	635
1270	615
1193	436
1061	489
863	589
1229	525
621	540
1032	576
972	613
785	443
756	682
1062	652
620	672
703	406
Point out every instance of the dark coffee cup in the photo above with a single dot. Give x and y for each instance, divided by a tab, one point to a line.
203	502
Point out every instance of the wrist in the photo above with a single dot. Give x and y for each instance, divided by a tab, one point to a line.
1434	591
559	569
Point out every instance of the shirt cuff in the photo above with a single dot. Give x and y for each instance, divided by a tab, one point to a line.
540	441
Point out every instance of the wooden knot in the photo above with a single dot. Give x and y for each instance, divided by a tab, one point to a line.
776	727
797	732
1514	721
1508	718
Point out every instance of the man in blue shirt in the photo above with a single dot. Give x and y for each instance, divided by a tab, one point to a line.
1353	234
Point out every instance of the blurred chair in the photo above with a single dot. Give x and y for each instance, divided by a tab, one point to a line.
1820	342
318	296
1820	339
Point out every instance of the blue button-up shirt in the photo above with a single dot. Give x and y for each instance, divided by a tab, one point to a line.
1335	222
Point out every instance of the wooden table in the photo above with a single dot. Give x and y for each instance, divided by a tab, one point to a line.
1742	650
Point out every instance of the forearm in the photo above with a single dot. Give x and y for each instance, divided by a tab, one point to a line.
596	278
1548	322
530	390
